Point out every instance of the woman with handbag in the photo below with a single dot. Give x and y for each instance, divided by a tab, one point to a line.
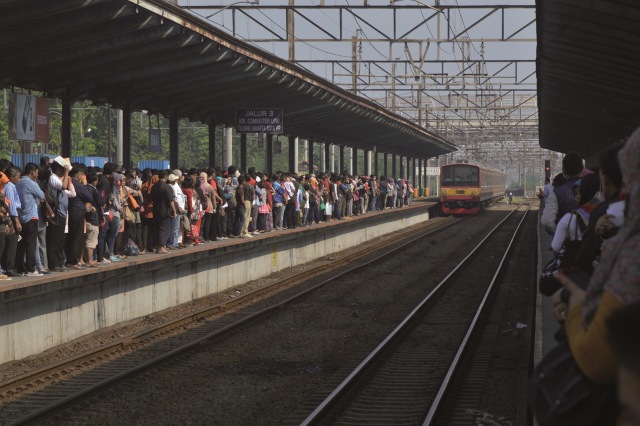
588	391
569	232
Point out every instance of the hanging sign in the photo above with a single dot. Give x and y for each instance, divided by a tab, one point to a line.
154	140
260	120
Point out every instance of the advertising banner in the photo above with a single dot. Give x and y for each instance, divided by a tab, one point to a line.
25	123
42	120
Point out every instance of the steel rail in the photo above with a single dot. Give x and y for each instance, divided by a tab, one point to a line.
332	398
195	316
435	405
46	412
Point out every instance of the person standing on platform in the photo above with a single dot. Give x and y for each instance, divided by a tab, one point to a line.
290	220
105	188
146	212
74	244
163	210
564	201
181	206
30	198
230	200
93	217
249	194
13	204
374	193
5	226
240	209
60	189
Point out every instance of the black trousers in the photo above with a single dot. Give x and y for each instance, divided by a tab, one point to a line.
9	257
230	212
290	218
75	237
205	227
27	247
213	226
3	242
163	230
55	242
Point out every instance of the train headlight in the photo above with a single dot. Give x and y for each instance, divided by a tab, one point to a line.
474	192
445	192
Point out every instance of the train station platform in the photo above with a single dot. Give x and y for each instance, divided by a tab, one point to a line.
546	325
40	313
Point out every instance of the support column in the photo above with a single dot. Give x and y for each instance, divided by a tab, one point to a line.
342	164
119	130
386	166
420	173
293	154
243	152
310	159
173	141
126	136
228	146
65	148
393	166
212	143
332	159
375	162
327	155
354	161
413	173
269	157
366	154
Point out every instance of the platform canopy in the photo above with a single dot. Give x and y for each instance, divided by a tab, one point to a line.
155	56
588	73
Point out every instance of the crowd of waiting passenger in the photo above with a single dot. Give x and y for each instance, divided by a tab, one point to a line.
57	216
594	283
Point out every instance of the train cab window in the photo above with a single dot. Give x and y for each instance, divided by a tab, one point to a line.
460	176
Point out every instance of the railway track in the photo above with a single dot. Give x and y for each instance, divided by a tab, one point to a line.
41	394
407	378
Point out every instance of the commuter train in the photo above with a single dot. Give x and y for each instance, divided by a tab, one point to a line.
466	188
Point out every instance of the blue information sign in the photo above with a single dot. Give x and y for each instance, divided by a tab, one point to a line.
260	120
154	140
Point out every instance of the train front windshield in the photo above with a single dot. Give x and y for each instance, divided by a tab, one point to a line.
460	176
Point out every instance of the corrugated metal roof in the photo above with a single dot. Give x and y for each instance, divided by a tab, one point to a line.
160	58
588	71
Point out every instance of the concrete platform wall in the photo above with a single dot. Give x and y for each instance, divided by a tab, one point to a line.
38	316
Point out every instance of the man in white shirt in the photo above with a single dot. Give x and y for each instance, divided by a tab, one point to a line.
180	200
